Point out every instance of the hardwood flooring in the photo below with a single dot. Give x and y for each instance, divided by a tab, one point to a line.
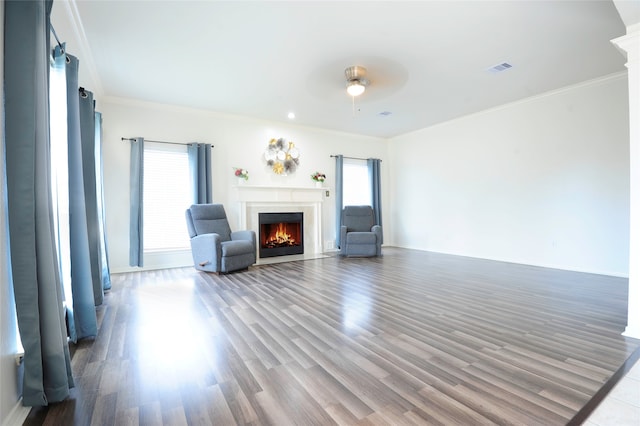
409	338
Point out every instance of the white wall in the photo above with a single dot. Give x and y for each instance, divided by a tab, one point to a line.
239	142
544	181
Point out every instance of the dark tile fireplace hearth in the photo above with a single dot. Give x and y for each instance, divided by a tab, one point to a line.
281	234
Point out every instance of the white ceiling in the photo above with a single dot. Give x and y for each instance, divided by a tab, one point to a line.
427	60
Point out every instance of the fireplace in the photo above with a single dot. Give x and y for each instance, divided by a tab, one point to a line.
280	234
256	199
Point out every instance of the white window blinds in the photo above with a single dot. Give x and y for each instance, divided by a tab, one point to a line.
167	194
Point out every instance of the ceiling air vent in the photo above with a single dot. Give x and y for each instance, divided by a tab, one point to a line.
500	67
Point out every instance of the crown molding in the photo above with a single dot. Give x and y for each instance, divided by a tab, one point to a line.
70	9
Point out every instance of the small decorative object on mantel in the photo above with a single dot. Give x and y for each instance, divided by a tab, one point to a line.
241	174
283	157
318	178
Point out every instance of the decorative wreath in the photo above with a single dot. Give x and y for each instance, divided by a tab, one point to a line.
281	156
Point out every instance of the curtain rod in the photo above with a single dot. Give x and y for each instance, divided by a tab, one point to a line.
353	158
170	143
53	30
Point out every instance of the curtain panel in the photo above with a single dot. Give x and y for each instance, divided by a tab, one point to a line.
36	277
200	167
82	320
91	190
373	164
136	176
105	270
339	183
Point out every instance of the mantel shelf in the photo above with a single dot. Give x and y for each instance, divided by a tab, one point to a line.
284	188
264	193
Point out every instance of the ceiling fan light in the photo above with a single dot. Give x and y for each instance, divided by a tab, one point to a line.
355	88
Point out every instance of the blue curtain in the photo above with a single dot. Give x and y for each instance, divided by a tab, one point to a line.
373	164
36	277
135	192
339	179
82	314
91	191
105	272
200	166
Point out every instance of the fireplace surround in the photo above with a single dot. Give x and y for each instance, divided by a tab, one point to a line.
256	199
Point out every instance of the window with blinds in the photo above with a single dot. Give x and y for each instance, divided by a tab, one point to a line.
356	187
167	194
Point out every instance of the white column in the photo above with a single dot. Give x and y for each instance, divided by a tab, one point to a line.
630	44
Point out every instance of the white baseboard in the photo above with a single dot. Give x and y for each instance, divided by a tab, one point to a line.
616	274
17	415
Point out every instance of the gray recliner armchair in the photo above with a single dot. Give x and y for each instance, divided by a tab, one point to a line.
213	246
359	236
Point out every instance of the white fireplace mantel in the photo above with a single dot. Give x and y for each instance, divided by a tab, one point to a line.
253	193
254	199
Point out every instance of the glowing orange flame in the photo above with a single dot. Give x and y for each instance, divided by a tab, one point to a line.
280	236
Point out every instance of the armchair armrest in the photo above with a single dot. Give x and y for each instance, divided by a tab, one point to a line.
377	229
206	249
343	239
243	235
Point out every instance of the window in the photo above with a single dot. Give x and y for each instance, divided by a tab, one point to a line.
58	146
356	187
167	194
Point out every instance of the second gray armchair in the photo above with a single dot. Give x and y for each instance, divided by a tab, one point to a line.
359	235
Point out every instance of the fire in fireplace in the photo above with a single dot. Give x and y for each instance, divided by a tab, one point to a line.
280	234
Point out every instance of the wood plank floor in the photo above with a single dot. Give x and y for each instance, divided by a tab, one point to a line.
409	338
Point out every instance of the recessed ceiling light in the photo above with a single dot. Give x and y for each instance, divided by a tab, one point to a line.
291	116
385	113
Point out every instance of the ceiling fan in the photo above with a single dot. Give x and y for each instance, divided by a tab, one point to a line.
356	81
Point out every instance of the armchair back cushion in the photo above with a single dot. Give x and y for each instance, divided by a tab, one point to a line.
357	218
208	219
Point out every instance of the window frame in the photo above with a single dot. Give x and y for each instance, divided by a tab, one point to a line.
151	228
363	181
